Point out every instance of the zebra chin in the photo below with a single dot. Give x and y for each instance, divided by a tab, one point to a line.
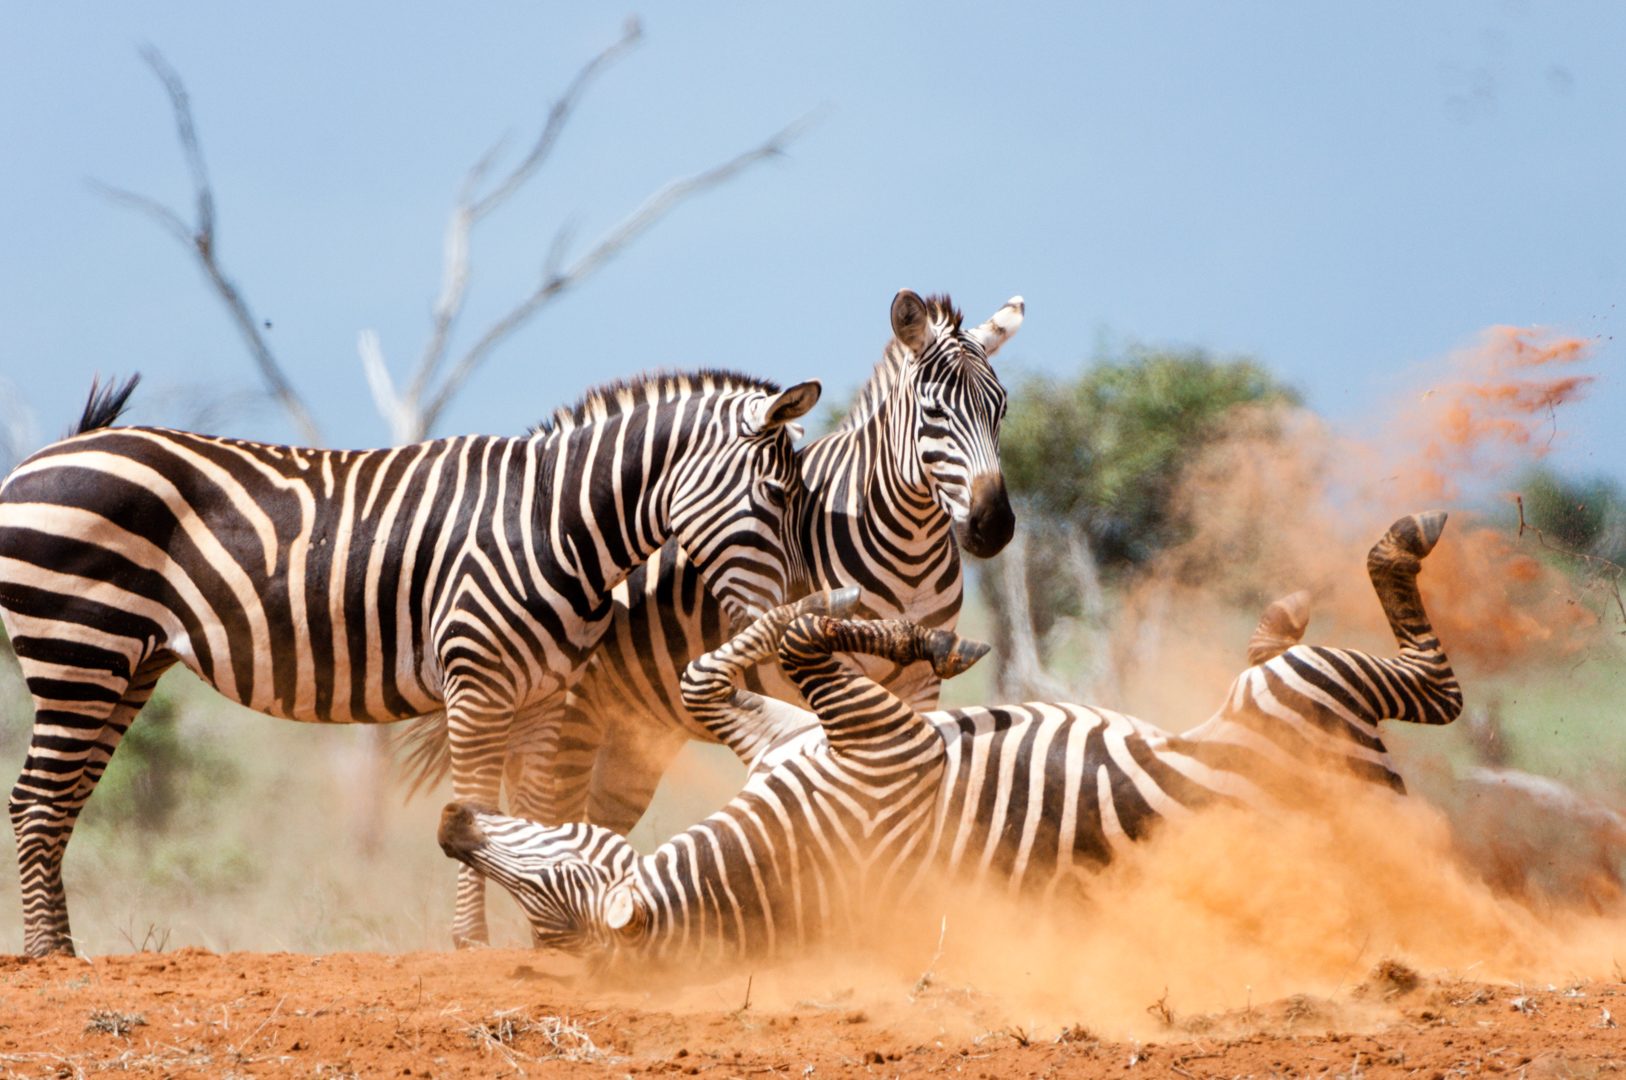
990	523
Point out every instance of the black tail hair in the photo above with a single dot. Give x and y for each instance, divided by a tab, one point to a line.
105	405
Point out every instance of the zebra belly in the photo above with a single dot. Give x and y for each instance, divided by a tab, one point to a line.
1040	793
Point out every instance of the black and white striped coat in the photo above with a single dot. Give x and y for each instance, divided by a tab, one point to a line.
909	480
1023	798
469	574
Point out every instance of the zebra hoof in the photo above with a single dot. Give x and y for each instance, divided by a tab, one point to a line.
1430	523
1280	628
837	603
952	654
1416	534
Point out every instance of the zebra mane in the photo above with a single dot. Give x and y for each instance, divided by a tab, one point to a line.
104	405
940	311
621	395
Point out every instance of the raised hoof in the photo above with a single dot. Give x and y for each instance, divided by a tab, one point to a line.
1280	628
952	654
1416	534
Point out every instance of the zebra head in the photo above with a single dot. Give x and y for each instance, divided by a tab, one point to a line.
733	498
958	405
569	880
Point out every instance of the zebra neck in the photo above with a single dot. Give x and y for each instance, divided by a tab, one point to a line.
607	514
860	475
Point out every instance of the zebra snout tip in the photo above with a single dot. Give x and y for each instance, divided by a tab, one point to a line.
991	522
460	833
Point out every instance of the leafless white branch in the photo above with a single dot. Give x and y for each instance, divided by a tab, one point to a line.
471	207
200	237
555	282
411	412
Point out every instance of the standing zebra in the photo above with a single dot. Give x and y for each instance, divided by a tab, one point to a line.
915	461
1020	797
470	574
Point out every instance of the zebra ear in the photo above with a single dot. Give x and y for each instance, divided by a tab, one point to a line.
909	323
999	329
788	405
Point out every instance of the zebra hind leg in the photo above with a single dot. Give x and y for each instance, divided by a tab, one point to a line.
69	754
1393	565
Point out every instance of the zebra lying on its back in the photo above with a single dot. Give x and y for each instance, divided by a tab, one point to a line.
1027	796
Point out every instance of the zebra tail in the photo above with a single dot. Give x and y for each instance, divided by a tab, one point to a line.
423	752
104	405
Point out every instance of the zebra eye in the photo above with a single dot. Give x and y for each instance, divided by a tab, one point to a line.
775	495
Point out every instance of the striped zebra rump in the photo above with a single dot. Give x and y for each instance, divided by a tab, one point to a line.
1025	799
470	575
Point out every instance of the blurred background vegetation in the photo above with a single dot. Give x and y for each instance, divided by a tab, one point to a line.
222	828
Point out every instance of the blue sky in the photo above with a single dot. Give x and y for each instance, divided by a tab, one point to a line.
1348	192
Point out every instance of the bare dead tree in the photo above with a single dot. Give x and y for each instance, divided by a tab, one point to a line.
200	238
412	412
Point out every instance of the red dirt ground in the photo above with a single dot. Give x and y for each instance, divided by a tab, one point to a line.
508	1013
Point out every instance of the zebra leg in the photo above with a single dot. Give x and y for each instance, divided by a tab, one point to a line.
1280	628
1434	696
78	724
567	773
741	720
478	731
627	771
854	708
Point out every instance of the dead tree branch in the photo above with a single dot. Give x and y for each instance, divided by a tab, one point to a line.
556	281
470	208
200	237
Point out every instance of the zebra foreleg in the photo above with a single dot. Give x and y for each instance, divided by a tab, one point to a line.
69	754
556	783
742	720
479	743
627	771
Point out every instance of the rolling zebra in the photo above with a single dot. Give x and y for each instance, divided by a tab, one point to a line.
470	574
915	461
1023	798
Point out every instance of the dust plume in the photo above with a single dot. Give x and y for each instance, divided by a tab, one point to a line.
1234	909
1285	502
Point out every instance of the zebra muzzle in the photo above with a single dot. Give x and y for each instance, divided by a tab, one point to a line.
460	834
